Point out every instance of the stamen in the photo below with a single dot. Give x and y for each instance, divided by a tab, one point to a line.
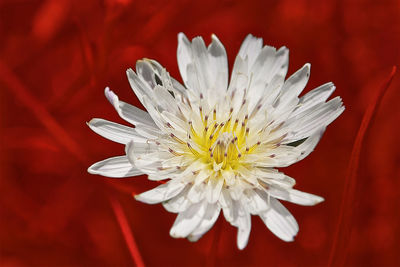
233	94
188	101
235	125
194	151
174	152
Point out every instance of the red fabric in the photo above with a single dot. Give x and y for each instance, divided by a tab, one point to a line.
56	57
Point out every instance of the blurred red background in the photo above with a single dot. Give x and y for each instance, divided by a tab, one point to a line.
56	57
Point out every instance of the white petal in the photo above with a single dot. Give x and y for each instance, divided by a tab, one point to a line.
285	155
203	70
150	163
268	64
294	196
285	182
277	66
178	203
197	192
213	189
219	61
164	173
227	205
243	222
279	220
154	113
207	222
291	90
269	175
188	220
147	73
149	133
114	167
128	112
201	63
115	132
160	97
250	49
306	147
161	193
254	202
239	79
184	56
164	100
314	97
307	122
139	87
144	148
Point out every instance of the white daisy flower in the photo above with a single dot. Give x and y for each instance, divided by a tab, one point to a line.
218	143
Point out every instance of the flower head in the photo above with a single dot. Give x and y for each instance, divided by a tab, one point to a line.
218	144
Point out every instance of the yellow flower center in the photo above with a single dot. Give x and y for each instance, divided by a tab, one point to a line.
220	145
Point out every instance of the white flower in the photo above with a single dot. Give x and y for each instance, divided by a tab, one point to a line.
218	144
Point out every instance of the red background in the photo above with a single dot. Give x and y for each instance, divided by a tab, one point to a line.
56	57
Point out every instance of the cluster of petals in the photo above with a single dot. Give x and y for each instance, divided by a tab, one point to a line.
215	142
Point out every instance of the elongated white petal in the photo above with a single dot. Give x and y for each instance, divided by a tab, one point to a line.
227	206
116	167
204	70
128	112
219	61
139	87
291	89
197	193
147	74
142	149
254	202
279	220
269	63
210	217
116	132
149	163
161	193
178	203
284	155
250	49
272	176
243	222
309	121
314	97
188	220
184	56
213	189
294	196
